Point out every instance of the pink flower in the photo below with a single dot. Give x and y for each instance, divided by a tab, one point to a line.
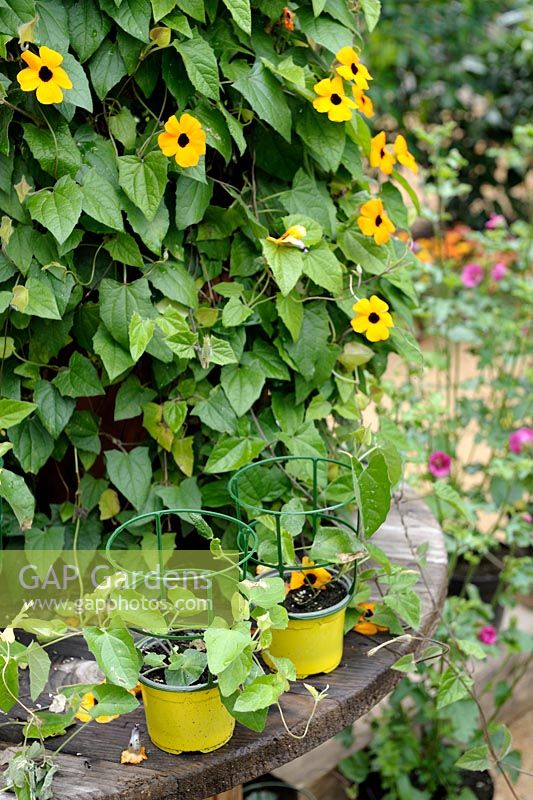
527	518
523	437
439	464
495	221
488	635
472	275
498	271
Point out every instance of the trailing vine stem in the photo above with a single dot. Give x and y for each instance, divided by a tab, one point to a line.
471	693
318	697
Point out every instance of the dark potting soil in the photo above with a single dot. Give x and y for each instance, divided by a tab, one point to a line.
305	599
480	783
485	569
161	648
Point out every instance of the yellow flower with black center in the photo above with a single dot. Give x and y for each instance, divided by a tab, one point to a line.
373	221
291	238
403	155
88	702
332	100
317	578
363	102
184	139
364	624
45	74
372	318
351	68
380	156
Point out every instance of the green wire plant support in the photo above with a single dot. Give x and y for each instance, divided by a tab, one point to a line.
296	498
176	560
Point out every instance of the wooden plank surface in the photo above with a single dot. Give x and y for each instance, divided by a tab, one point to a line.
354	688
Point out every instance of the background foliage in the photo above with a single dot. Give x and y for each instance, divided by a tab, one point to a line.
469	61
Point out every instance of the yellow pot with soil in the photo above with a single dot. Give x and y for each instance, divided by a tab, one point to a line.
187	719
314	641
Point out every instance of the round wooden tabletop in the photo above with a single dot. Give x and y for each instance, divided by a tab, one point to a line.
89	765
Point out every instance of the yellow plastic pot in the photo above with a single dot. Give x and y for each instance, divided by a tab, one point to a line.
313	641
187	719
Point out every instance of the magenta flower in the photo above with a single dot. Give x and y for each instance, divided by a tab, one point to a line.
495	221
527	518
472	275
498	271
523	437
439	464
488	635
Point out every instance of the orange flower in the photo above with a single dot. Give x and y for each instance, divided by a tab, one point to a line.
363	102
45	74
184	139
317	578
287	18
372	318
351	68
380	156
365	624
403	155
332	100
88	701
373	221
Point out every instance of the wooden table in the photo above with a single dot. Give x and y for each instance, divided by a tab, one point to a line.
89	764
